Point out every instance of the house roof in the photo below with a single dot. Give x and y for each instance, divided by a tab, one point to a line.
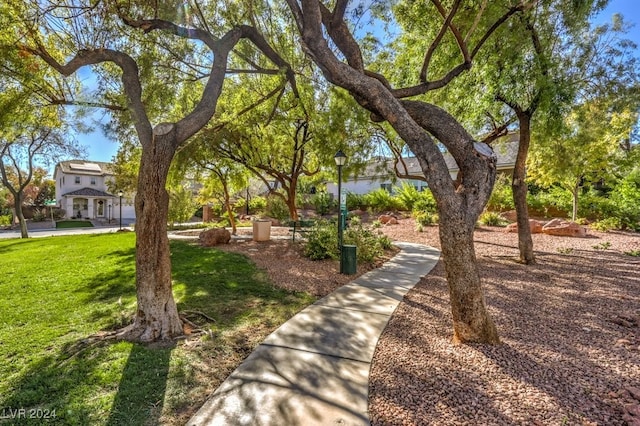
506	152
82	167
87	192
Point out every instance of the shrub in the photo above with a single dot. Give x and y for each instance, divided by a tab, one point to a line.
277	208
502	195
322	202
356	201
39	215
369	245
380	200
406	195
635	253
425	202
355	221
322	241
257	204
425	218
5	220
59	213
607	224
491	219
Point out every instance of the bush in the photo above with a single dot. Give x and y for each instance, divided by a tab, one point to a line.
39	215
406	195
322	241
491	219
425	202
380	200
356	201
257	204
608	224
424	218
502	195
5	220
277	208
323	203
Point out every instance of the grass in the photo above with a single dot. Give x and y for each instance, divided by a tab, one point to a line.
56	292
63	224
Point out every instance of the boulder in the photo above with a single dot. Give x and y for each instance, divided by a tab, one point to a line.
564	228
213	237
392	221
534	225
385	218
357	212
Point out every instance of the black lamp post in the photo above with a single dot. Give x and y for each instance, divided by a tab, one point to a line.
120	195
340	159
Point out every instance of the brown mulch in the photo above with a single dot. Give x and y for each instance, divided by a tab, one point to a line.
570	351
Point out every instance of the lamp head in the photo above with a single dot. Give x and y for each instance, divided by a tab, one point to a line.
340	158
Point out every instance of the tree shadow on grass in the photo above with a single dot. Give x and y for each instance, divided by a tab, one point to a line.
75	384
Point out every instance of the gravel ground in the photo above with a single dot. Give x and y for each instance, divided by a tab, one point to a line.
570	351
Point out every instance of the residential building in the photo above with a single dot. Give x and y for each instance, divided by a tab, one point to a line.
381	173
82	191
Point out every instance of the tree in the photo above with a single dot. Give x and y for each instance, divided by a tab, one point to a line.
328	39
19	151
586	151
104	38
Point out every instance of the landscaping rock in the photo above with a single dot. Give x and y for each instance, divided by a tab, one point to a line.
564	228
534	225
392	221
215	236
385	218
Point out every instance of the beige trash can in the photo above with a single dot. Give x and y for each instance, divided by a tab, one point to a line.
261	230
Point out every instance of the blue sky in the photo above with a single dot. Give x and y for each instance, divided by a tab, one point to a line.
100	148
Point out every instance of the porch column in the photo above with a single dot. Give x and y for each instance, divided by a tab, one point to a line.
90	209
69	207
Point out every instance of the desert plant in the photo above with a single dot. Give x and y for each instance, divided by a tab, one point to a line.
322	241
356	201
491	219
277	208
257	204
381	200
5	220
425	218
635	253
323	202
406	195
425	202
602	246
608	224
502	196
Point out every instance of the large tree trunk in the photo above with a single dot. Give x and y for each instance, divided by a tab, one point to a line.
17	205
519	189
157	315
471	322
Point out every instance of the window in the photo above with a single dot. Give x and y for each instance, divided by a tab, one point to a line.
93	181
78	180
386	186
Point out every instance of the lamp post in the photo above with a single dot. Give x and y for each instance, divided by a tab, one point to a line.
340	159
120	195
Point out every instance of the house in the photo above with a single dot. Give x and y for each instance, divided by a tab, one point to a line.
82	191
381	173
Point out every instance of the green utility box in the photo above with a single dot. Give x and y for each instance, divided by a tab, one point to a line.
348	261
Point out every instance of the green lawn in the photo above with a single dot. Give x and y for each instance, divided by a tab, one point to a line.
74	224
56	292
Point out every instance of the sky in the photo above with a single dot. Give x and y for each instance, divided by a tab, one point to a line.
101	148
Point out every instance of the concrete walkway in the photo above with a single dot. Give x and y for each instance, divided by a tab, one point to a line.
314	369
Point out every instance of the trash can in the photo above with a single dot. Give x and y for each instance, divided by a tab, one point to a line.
348	260
261	230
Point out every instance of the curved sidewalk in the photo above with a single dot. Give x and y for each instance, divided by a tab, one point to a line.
314	369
